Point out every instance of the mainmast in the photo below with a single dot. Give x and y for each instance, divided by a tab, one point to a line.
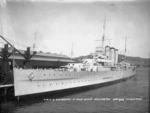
72	51
125	48
34	40
101	42
103	38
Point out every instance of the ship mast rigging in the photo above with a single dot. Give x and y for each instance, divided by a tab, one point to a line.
125	48
34	40
100	46
103	38
72	51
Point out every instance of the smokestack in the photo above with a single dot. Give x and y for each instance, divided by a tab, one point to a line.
112	55
116	56
107	52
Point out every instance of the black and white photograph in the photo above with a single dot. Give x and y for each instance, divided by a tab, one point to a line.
74	56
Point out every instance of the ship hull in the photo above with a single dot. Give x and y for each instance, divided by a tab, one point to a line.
33	81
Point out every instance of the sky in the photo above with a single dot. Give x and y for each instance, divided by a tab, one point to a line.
57	26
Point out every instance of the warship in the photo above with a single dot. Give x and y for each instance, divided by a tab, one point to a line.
89	72
101	67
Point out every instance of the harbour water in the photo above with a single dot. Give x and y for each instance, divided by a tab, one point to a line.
128	96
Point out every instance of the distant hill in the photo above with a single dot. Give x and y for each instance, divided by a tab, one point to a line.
131	60
135	60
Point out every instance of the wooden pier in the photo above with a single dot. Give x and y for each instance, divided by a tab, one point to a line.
5	87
